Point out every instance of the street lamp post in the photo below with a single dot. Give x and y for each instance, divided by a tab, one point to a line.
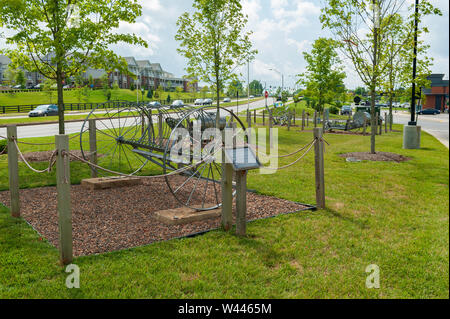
411	132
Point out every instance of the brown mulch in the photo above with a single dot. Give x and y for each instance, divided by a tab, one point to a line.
120	218
44	156
378	156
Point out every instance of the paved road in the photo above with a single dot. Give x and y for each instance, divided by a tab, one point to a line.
436	125
75	127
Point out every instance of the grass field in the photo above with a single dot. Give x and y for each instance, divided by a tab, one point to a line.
395	215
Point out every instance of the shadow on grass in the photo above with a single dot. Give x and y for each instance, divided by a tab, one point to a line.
359	223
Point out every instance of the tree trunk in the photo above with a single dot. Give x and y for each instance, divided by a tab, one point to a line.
59	83
391	97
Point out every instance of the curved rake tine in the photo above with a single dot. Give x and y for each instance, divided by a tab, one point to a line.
195	186
206	186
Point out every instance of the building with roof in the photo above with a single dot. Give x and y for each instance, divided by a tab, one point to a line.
437	94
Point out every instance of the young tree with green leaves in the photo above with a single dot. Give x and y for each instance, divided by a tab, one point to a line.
256	87
61	38
214	42
324	76
20	78
49	89
362	28
235	86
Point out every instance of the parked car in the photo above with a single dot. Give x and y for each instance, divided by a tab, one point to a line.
346	110
428	112
44	110
176	104
405	105
38	86
227	100
252	96
207	102
154	105
17	87
198	102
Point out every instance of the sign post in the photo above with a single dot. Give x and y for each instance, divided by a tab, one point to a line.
242	159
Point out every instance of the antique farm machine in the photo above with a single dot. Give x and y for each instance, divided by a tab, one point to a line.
137	139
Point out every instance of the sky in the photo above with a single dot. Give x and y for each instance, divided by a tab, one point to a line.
282	30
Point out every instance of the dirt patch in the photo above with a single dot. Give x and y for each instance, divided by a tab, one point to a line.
113	219
44	156
377	157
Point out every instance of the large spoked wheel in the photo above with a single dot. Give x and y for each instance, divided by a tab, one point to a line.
115	128
199	186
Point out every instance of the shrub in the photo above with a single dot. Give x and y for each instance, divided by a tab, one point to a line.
132	87
334	110
168	98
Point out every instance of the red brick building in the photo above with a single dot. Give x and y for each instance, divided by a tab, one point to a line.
437	94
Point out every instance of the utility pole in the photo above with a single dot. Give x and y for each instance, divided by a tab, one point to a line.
413	97
248	85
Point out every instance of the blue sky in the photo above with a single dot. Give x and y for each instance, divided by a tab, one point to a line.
282	30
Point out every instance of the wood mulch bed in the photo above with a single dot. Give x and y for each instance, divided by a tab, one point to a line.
114	219
378	156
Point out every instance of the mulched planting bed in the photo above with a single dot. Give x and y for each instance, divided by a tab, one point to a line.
115	219
378	156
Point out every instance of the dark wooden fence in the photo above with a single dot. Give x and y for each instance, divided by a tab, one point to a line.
80	106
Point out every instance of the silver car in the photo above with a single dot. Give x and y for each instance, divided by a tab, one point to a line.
176	104
199	102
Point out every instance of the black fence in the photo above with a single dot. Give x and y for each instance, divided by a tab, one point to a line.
82	106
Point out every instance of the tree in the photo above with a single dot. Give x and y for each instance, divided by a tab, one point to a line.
168	98
150	93
105	86
203	91
361	91
60	38
11	75
234	87
256	87
367	50
323	79
178	91
214	42
49	89
20	78
169	86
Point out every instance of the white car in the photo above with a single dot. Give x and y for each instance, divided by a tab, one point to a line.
176	104
207	102
226	100
198	102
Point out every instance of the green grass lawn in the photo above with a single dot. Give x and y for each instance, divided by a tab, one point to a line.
395	215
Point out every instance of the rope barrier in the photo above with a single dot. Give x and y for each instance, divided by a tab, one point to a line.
297	160
281	156
47	170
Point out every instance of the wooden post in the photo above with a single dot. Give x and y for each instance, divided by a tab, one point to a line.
385	122
64	206
293	117
249	119
13	169
93	147
315	118
319	168
227	189
160	119
254	116
241	202
270	130
289	121
264	118
303	120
